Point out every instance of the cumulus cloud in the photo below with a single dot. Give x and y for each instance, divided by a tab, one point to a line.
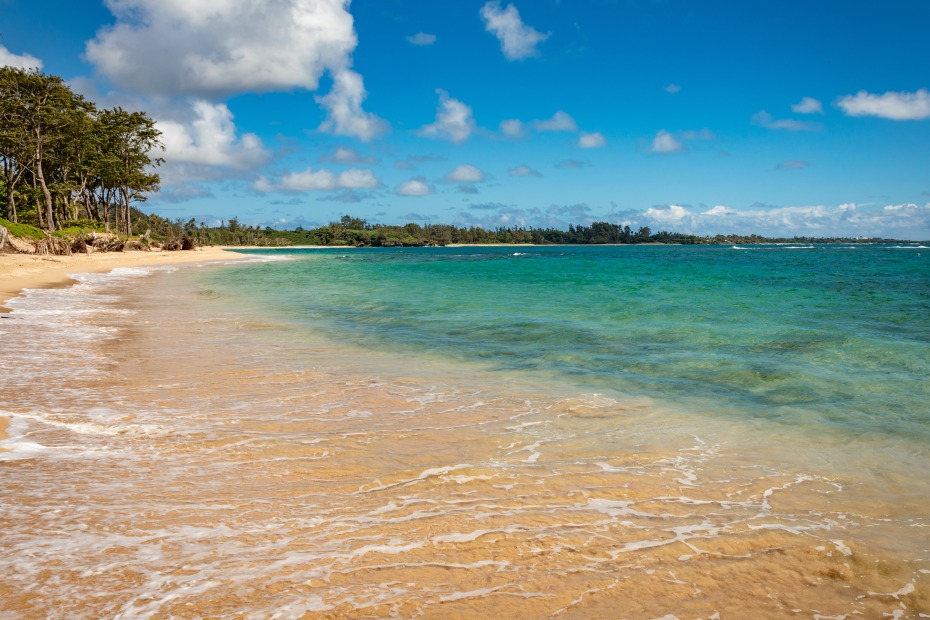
346	155
513	128
344	107
807	105
223	47
664	142
764	119
316	180
560	121
220	48
18	61
592	140
524	171
207	137
901	221
414	187
672	89
422	38
518	41
454	120
465	173
896	106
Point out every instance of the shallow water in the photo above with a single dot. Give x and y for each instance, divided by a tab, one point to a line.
590	433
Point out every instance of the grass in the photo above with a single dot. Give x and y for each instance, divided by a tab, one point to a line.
22	230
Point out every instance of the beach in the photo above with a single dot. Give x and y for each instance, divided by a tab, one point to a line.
22	271
32	271
470	432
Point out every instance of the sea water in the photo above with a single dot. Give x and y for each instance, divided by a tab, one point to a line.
590	432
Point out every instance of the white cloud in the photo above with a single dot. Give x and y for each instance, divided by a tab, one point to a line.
344	107
422	38
315	180
223	47
591	140
560	121
669	215
208	138
345	155
513	128
218	48
764	119
414	187
905	221
719	210
465	173
18	61
524	171
454	120
664	142
518	41
807	105
897	106
672	89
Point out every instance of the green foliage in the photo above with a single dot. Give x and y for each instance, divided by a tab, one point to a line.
62	158
22	230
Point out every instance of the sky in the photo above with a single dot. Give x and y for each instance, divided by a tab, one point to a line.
713	117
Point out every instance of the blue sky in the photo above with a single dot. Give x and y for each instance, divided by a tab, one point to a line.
788	118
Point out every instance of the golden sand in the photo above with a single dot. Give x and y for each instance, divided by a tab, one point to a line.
26	271
22	271
216	471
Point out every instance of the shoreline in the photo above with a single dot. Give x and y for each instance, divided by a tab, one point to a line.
20	272
27	271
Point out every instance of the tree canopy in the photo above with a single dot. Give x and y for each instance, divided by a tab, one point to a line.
63	159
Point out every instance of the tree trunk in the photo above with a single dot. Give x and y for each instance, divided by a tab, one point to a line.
40	177
125	192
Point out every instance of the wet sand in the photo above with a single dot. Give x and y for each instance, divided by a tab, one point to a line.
21	271
214	469
33	271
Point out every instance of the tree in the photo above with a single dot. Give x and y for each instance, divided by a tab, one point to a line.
130	138
37	110
60	152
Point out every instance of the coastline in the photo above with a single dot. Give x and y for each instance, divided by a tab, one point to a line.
25	271
19	272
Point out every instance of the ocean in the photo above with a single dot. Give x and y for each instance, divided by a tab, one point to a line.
472	432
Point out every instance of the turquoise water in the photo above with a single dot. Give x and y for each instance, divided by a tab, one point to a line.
832	337
589	432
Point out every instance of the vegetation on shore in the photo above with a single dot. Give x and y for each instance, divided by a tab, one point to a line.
354	231
62	159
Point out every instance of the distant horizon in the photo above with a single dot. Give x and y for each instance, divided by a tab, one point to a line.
698	119
726	236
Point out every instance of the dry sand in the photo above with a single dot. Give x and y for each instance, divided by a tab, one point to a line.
27	271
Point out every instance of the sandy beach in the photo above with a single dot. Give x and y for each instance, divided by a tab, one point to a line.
458	434
30	271
24	271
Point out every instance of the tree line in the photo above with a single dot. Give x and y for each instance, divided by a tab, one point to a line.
64	160
358	232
